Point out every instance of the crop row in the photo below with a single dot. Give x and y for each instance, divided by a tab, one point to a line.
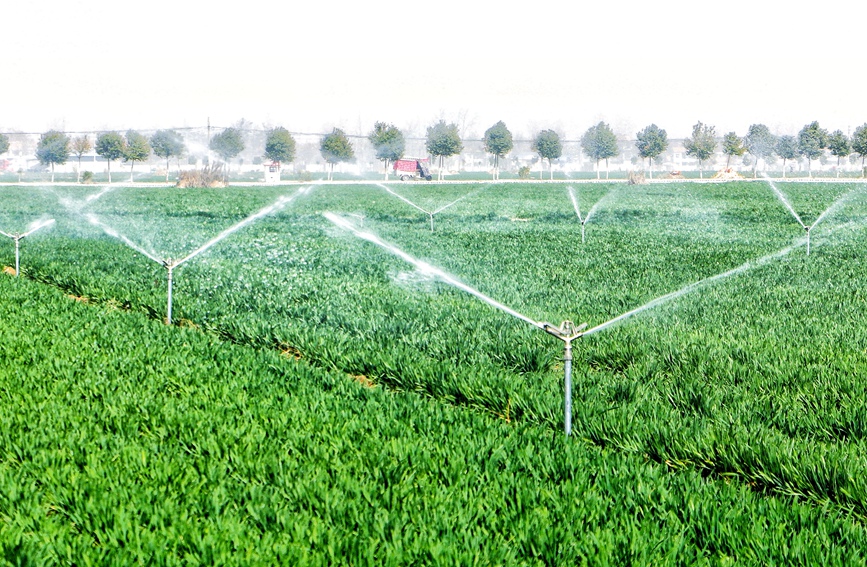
125	441
753	376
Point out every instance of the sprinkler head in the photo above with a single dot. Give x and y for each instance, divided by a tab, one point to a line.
567	331
807	228
168	264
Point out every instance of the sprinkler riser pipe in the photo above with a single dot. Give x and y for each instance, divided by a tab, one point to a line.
17	257
169	297
566	332
567	389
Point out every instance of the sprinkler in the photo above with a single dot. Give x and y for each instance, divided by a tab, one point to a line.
430	214
807	228
17	237
169	265
584	218
566	332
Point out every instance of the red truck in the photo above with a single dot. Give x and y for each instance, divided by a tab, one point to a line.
412	168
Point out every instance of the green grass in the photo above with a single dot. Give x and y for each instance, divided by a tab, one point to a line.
751	380
128	442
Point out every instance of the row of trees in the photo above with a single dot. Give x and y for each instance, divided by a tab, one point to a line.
443	140
600	143
56	148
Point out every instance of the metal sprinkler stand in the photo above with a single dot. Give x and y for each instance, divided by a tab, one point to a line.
17	238
170	266
807	228
566	332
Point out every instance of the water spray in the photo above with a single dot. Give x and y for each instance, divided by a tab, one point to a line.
17	237
430	214
833	207
77	206
577	212
566	332
791	209
169	264
584	219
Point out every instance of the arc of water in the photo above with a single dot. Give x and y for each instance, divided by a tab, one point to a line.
695	285
428	213
575	204
265	211
170	265
94	220
94	196
596	205
78	205
426	269
37	226
33	227
835	205
404	199
785	202
444	207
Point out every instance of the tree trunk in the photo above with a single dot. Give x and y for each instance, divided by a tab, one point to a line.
784	168
78	177
109	171
728	160
597	170
131	165
700	170
551	169
809	168
650	166
167	169
607	169
52	172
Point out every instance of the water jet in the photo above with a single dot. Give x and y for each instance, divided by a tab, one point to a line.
170	265
583	220
430	214
566	332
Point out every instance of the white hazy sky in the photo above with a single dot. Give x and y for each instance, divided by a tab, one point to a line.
310	66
